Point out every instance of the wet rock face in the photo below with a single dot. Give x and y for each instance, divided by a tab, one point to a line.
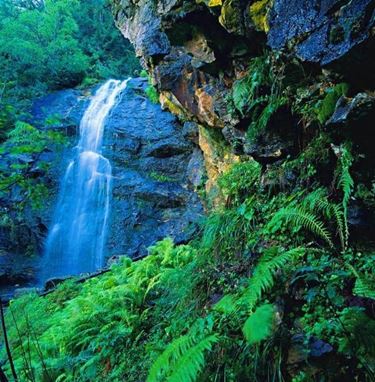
156	166
196	50
320	31
150	154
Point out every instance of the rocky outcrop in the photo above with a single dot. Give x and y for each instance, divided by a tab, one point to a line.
153	160
150	153
287	83
156	169
198	51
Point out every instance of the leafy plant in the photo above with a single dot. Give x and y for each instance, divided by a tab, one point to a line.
240	181
259	325
182	360
363	286
326	107
313	213
246	92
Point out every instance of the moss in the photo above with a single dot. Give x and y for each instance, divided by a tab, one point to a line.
170	102
152	94
151	91
326	107
210	3
160	177
231	17
259	14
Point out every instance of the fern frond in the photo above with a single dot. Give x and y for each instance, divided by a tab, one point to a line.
361	330
192	362
342	225
346	181
182	360
362	287
300	218
241	94
259	325
334	211
263	277
173	350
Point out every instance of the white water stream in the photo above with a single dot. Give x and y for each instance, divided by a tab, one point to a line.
76	240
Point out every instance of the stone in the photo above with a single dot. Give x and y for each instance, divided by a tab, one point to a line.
320	31
218	158
351	110
319	348
196	171
153	195
54	282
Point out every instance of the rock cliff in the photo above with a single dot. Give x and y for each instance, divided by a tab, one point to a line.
261	78
157	168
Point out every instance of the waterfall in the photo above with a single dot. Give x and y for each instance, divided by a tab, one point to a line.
76	240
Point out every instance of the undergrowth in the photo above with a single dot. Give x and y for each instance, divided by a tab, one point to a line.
265	269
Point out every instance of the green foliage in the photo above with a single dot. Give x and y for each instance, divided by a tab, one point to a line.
262	119
160	177
60	44
239	182
314	214
226	232
246	91
257	95
24	145
261	281
182	360
258	326
298	218
359	333
83	324
326	107
273	259
363	287
345	182
151	92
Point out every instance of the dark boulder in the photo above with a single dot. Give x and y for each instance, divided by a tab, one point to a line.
320	31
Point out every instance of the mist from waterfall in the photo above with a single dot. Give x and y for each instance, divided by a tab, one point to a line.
76	240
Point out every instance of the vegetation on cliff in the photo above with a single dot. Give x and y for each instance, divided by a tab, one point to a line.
271	279
279	283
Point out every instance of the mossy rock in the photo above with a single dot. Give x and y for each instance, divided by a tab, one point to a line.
259	14
326	107
231	16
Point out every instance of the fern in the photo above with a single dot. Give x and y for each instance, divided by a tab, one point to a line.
363	287
318	201
260	123
298	217
263	277
188	367
245	92
261	281
182	360
241	94
346	182
259	325
359	334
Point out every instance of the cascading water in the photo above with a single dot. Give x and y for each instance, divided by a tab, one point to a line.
76	240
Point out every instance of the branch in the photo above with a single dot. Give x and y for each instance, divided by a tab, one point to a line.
6	342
